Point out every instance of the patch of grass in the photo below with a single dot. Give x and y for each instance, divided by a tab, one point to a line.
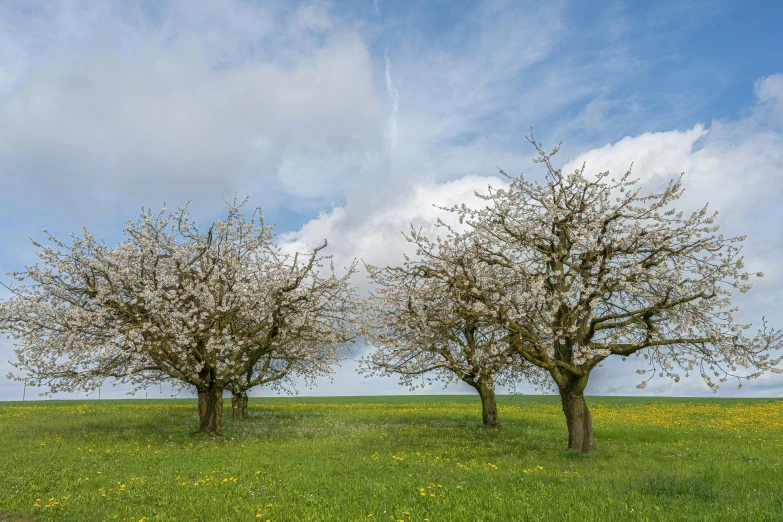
405	458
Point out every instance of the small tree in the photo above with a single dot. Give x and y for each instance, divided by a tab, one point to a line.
201	307
306	359
590	268
424	327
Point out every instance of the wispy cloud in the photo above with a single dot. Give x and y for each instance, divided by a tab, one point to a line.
394	95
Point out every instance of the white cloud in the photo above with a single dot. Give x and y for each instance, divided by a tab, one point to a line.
130	112
370	226
769	92
737	166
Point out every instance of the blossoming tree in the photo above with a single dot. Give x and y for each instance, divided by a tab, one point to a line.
422	324
589	268
173	301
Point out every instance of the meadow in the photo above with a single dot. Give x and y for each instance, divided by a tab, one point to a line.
406	458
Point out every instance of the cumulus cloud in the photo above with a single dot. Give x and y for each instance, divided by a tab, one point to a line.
371	228
769	93
733	165
141	112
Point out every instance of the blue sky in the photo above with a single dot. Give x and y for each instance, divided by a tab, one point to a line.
346	120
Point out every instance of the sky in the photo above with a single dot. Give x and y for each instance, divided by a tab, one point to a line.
349	120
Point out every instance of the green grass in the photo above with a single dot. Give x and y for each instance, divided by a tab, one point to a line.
395	458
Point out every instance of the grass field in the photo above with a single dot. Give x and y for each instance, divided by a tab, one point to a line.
391	459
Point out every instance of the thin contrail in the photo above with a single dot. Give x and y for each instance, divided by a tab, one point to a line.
395	97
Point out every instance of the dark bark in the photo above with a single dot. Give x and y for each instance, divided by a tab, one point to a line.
239	405
210	409
489	408
578	419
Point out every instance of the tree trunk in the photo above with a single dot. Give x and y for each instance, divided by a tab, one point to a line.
239	405
580	423
489	408
210	409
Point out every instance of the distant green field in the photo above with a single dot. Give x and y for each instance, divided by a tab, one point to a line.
405	458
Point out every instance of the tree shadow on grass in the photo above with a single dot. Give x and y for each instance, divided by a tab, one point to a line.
671	486
413	422
10	517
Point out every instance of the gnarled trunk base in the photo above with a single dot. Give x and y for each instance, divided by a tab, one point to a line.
580	423
210	410
489	408
239	405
